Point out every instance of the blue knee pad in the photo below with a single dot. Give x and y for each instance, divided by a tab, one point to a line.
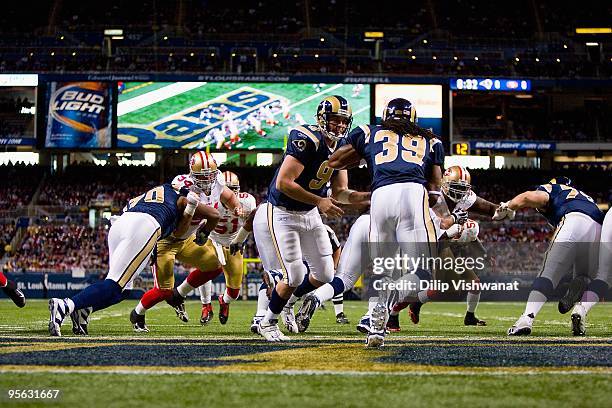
338	286
543	285
599	287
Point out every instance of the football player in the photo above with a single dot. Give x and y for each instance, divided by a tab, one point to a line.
396	153
577	220
132	238
456	199
222	236
296	194
9	288
598	287
207	183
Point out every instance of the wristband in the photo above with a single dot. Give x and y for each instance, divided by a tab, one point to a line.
241	236
190	209
344	196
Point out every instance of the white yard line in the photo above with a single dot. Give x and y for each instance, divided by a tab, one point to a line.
150	98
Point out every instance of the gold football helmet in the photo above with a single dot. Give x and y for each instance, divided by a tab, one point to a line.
203	170
456	183
334	117
231	181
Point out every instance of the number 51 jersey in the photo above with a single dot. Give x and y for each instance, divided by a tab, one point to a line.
309	147
392	158
229	224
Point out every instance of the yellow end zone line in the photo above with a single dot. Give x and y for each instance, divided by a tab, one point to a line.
134	88
413	370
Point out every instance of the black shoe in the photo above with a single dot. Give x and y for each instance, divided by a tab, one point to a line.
573	294
414	310
471	320
178	303
15	294
304	315
578	325
342	319
393	324
138	322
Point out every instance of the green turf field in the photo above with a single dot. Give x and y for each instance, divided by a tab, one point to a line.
168	113
436	362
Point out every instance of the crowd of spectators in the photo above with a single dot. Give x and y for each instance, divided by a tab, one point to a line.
61	247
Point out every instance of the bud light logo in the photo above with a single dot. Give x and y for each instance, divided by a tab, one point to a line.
79	115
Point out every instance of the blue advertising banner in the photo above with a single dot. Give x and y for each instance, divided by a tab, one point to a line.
518	145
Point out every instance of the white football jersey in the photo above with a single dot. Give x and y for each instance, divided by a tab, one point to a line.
229	224
212	200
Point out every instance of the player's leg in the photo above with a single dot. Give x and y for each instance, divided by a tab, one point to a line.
599	286
472	300
233	282
285	238
318	253
9	288
205	299
131	240
207	267
163	283
558	262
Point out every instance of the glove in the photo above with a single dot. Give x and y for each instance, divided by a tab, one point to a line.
454	231
503	211
201	236
236	247
459	216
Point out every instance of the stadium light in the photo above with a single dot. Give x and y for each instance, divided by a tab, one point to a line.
424	41
233	54
537	59
517	59
53	53
475	58
558	60
316	55
165	37
565	46
212	54
434	57
73	53
322	39
592	44
275	55
62	37
374	34
413	57
409	49
191	54
455	58
594	30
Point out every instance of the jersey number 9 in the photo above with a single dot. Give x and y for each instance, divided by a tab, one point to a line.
323	175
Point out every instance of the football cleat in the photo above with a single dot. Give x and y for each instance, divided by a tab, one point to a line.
574	293
178	303
471	320
378	321
207	313
307	310
138	322
223	310
58	309
522	327
288	317
414	311
14	294
255	324
364	325
80	321
342	319
393	325
578	319
270	331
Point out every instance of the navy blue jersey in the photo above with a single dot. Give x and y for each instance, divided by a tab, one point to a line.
436	156
564	200
392	158
308	146
161	203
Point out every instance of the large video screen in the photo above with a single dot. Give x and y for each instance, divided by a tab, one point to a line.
79	115
427	100
17	116
223	115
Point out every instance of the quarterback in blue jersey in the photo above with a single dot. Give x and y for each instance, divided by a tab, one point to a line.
297	193
131	241
574	245
400	157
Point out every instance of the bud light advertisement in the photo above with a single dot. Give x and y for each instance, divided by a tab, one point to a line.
80	115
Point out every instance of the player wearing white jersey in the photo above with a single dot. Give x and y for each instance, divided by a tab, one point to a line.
216	136
226	231
189	247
